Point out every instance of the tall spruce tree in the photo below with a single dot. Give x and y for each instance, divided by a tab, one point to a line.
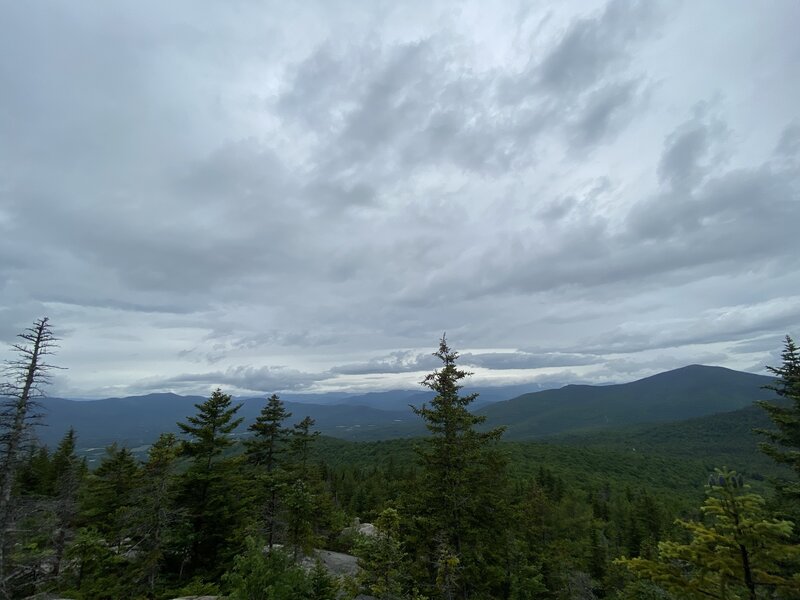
110	495
303	489
265	449
462	484
68	473
208	492
155	515
784	441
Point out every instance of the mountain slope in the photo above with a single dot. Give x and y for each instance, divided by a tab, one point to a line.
138	420
723	439
683	393
672	396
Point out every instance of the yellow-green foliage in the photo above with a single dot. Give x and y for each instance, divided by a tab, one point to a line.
736	552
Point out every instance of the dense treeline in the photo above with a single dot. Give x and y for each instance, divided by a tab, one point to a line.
458	514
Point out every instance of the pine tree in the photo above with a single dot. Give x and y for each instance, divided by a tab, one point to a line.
207	486
303	488
784	445
382	560
155	514
19	393
110	495
68	474
265	449
741	553
463	480
257	575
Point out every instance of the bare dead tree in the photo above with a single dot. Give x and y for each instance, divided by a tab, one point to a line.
19	408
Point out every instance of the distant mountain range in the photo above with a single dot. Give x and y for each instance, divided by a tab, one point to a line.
138	420
685	393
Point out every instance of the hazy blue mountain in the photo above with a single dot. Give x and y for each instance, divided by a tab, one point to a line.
401	399
137	420
683	393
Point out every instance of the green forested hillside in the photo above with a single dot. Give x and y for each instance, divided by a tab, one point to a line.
684	393
713	440
672	458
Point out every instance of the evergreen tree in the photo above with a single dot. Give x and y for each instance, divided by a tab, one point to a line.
322	585
257	575
96	569
155	514
47	514
110	495
382	560
741	553
303	489
208	492
463	484
69	472
784	444
265	449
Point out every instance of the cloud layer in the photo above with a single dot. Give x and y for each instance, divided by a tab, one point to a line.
276	197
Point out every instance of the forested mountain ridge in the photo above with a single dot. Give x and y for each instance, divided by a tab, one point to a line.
688	392
675	395
138	420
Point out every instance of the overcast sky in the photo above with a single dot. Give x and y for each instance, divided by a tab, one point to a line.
304	196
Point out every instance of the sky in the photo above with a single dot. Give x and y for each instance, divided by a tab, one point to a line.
303	196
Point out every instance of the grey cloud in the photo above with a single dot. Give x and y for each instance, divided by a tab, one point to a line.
301	339
558	209
605	111
682	164
415	105
738	218
261	380
282	177
396	362
591	46
789	143
632	369
741	213
243	170
409	106
720	325
121	305
768	343
319	87
526	360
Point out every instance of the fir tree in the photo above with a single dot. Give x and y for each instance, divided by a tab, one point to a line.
110	495
463	481
265	449
69	472
303	489
382	560
207	486
741	553
155	514
784	441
